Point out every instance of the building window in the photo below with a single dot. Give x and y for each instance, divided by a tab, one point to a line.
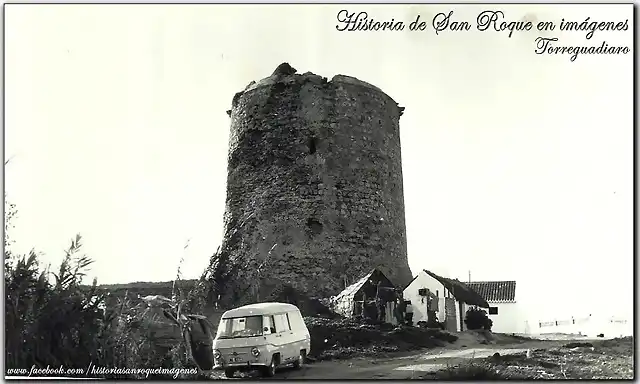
493	310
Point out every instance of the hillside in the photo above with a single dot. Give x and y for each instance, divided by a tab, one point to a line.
142	288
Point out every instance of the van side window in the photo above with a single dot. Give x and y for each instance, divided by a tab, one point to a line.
282	325
295	321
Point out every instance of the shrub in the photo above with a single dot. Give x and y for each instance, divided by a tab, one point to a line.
48	323
477	319
59	321
52	319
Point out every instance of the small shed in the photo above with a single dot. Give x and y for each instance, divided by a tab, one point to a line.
358	298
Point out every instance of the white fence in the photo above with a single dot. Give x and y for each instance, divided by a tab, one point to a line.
590	326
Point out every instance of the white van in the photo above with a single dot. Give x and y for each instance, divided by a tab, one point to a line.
261	336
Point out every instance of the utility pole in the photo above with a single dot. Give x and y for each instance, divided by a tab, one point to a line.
469	276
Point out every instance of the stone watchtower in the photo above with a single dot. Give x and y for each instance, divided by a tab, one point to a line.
314	187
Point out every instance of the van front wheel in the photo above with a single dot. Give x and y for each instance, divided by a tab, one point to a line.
270	370
229	372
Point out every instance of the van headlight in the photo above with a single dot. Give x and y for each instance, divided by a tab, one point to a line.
255	351
216	354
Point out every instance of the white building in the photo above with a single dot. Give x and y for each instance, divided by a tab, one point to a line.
503	307
449	297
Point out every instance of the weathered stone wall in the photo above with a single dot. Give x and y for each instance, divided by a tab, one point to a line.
314	188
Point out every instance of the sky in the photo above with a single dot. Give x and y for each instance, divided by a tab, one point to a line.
516	166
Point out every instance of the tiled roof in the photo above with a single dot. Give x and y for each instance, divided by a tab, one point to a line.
495	291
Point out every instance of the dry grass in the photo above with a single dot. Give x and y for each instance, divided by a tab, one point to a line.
608	359
471	371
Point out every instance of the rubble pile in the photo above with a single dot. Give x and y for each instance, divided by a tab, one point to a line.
285	293
344	338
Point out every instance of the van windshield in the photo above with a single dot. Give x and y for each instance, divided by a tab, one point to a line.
235	327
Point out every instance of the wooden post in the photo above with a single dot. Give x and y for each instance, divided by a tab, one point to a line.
460	305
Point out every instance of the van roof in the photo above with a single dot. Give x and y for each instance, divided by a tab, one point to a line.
259	309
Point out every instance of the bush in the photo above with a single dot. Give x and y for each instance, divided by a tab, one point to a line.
59	321
477	319
52	319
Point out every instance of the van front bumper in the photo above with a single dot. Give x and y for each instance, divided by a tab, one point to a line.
248	365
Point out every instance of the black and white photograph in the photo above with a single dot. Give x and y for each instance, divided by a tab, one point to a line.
309	191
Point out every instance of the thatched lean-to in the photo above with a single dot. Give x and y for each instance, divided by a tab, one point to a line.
460	291
352	300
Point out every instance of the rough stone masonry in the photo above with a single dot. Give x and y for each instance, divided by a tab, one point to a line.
314	188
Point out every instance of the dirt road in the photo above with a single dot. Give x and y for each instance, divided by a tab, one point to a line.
405	365
541	359
401	367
